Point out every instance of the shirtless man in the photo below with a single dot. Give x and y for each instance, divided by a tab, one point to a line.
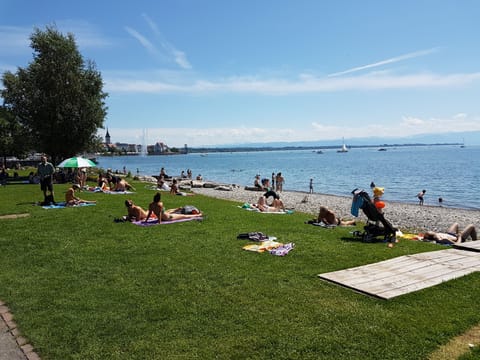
453	235
135	212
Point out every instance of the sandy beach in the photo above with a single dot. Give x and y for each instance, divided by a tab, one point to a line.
406	217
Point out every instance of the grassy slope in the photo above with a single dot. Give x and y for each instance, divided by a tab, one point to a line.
84	287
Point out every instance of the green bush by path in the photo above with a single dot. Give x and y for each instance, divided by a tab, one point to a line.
82	286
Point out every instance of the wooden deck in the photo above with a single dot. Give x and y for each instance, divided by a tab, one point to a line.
409	273
469	245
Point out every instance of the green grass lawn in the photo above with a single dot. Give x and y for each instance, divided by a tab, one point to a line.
82	286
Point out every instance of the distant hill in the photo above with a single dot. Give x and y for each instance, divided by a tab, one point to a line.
470	138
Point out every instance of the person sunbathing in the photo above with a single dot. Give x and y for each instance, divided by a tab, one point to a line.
277	205
123	185
72	200
453	235
328	217
156	207
135	212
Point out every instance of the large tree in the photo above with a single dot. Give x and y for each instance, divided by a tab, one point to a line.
59	97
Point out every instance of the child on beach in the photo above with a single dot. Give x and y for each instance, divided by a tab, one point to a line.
420	196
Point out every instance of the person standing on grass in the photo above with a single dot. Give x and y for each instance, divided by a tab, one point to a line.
45	171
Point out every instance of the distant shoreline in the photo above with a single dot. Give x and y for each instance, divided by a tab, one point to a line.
407	217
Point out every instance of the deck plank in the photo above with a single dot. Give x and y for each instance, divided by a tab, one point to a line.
469	245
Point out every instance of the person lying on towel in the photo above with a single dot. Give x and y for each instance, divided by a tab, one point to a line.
156	208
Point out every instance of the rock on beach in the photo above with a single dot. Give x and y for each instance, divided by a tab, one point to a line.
406	217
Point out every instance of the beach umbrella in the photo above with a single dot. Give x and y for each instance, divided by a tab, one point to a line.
76	162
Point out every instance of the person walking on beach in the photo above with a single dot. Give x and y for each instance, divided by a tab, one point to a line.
45	171
311	186
420	196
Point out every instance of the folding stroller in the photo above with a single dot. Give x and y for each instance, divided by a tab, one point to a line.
377	226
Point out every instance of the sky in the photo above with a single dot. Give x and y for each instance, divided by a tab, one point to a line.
217	72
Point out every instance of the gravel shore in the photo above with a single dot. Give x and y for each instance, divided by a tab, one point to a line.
406	217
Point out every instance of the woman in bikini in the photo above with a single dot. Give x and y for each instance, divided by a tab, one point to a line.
328	217
156	207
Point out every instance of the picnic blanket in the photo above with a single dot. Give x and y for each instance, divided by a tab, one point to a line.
153	222
62	205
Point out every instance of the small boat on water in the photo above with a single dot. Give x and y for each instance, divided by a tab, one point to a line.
344	148
382	149
319	152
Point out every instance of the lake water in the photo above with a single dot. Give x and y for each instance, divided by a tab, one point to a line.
449	172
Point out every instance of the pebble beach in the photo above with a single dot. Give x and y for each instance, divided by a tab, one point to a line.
406	217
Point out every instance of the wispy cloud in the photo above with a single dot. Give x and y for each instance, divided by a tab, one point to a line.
166	50
386	62
279	86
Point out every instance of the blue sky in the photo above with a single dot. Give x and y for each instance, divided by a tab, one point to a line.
225	72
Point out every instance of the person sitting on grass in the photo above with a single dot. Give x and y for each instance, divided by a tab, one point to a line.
72	200
453	235
135	212
123	185
156	207
328	217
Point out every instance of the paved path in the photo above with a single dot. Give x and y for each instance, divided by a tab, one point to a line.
13	346
9	349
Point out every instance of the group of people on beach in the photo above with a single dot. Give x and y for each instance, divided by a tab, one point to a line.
157	211
276	183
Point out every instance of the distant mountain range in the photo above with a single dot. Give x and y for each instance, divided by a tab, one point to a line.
467	138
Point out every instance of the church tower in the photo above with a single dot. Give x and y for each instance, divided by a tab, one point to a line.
107	138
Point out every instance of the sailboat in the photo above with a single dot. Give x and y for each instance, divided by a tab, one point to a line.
344	147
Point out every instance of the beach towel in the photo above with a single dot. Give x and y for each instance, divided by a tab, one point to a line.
249	207
117	192
321	224
283	249
153	222
62	205
263	246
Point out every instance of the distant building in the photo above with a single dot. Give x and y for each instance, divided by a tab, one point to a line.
107	138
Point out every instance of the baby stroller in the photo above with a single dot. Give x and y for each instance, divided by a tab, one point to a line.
373	229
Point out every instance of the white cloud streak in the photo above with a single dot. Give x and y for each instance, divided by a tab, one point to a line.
167	51
386	62
251	85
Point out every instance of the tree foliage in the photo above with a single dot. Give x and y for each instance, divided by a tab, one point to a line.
14	140
58	98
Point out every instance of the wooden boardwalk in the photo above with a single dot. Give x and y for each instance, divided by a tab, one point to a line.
469	245
409	273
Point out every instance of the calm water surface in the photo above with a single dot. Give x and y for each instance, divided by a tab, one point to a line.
449	172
